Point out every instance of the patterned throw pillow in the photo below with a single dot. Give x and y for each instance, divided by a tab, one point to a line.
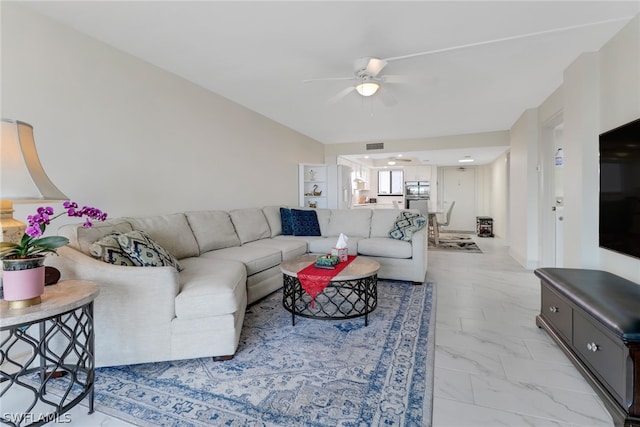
305	223
286	220
108	250
406	224
144	250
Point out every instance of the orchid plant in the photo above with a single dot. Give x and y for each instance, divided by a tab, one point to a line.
33	244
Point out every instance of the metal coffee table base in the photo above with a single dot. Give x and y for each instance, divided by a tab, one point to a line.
339	300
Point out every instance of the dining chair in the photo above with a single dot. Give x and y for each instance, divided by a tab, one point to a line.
447	217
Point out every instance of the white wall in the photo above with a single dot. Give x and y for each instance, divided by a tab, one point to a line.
600	91
118	133
523	191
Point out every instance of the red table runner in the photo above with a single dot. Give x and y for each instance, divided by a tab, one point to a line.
313	279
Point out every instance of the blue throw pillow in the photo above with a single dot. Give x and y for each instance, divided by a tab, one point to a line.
305	223
287	221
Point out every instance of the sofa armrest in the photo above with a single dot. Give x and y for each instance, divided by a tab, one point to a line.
134	309
73	264
419	243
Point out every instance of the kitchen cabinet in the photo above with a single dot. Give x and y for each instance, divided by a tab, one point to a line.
419	173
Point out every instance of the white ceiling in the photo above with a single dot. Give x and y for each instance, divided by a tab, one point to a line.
259	53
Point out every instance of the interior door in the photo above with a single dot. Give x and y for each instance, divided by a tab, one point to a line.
459	185
551	234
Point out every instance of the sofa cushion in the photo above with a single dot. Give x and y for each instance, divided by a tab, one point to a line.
286	222
172	232
254	258
81	238
210	287
289	248
145	251
323	219
305	239
108	250
212	230
272	214
406	224
325	244
351	222
385	247
305	222
250	224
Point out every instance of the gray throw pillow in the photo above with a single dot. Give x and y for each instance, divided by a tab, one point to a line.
108	250
406	224
144	250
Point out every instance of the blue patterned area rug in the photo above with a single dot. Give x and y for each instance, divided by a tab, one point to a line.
317	373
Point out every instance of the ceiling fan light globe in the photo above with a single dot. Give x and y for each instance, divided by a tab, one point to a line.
367	88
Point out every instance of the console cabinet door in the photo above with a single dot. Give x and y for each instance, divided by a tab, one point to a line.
606	356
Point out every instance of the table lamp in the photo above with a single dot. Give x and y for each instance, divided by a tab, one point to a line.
22	177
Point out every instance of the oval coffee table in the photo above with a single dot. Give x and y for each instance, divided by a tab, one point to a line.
351	293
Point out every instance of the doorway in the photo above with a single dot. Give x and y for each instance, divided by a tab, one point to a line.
459	185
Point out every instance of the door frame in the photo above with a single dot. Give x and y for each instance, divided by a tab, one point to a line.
546	191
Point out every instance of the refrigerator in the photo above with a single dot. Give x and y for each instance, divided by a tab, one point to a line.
340	181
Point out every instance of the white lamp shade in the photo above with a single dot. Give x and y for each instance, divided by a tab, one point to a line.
22	177
367	88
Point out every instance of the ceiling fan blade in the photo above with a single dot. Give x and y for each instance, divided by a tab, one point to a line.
387	78
337	97
374	66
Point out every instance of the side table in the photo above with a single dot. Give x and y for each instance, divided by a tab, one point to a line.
49	345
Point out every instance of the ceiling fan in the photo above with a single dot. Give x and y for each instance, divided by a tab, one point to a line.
368	80
391	161
399	159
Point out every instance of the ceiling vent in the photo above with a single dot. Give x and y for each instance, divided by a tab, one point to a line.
375	146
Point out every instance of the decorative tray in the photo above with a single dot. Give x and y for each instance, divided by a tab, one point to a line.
327	261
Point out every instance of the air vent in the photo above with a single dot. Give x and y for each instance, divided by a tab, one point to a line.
375	146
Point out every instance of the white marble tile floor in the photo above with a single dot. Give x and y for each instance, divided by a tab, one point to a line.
493	365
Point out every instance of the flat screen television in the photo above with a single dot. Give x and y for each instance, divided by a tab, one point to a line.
620	189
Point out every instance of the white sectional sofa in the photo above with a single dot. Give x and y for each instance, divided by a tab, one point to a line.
228	260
